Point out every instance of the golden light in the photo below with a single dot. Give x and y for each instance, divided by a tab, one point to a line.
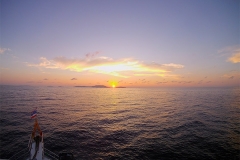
113	69
113	84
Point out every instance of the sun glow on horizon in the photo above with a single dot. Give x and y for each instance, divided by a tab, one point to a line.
113	84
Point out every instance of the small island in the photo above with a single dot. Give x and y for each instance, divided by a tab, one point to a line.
82	86
99	86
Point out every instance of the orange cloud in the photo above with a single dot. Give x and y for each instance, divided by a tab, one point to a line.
235	58
121	68
234	51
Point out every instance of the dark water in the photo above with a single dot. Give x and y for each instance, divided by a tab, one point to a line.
124	123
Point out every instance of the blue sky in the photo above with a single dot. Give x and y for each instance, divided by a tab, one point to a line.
165	42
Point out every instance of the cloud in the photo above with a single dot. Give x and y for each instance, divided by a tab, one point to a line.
105	65
44	63
229	49
234	51
91	55
74	79
2	68
235	58
232	75
2	50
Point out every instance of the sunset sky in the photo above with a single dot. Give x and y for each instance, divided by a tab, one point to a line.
132	43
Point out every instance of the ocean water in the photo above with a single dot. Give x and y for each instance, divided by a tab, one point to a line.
124	123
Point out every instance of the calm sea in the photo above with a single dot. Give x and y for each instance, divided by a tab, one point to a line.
124	123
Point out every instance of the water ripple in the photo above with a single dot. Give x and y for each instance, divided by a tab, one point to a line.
196	123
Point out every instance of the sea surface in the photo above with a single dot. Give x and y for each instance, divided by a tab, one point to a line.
124	123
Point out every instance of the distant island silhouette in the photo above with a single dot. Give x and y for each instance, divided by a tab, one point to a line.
99	86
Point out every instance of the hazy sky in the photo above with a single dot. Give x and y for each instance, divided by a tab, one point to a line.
121	42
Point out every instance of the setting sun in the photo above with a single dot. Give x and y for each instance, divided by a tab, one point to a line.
113	86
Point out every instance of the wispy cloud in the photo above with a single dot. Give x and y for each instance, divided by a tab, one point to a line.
234	51
232	75
105	65
235	58
2	50
44	63
74	79
92	55
2	68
